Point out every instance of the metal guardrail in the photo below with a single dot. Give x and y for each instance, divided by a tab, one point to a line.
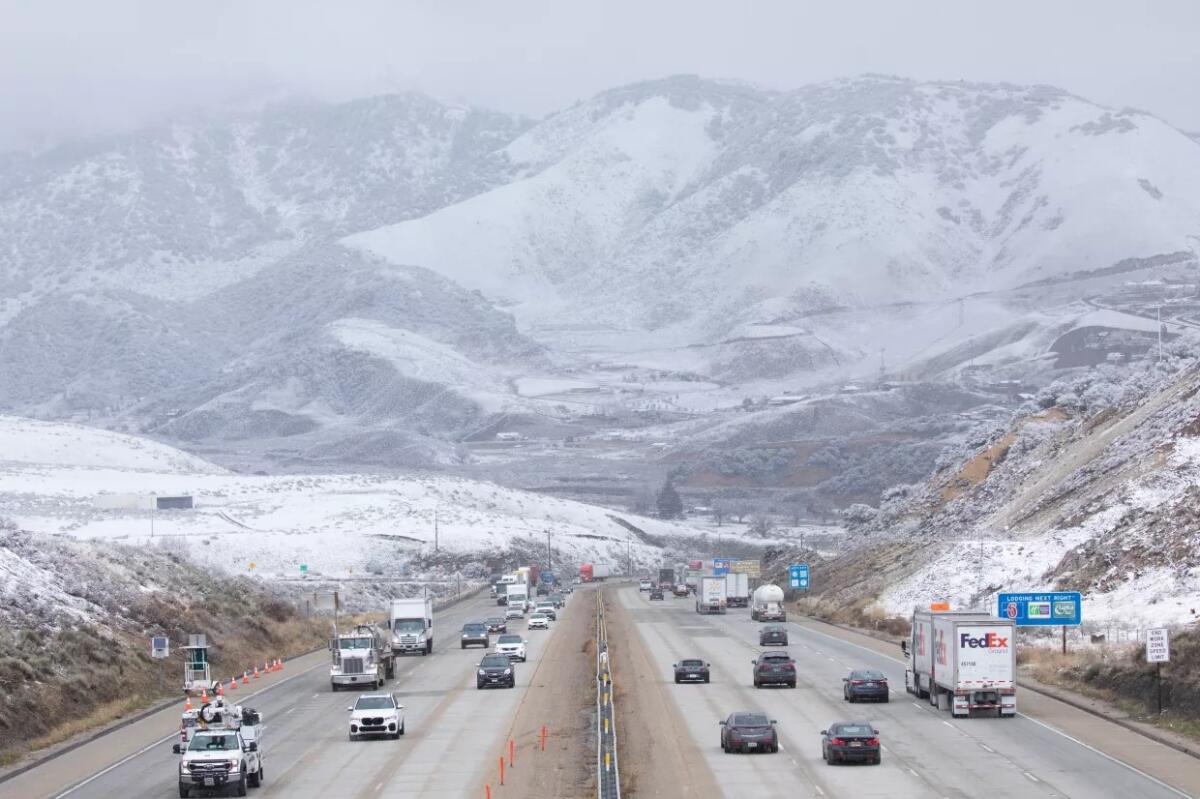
608	775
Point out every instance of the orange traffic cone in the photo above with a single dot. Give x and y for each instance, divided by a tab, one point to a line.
256	672
245	678
233	684
278	664
220	689
187	704
203	696
266	668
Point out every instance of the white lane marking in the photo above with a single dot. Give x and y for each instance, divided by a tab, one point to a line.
1030	776
1107	756
916	705
379	787
884	748
987	748
819	791
289	710
831	660
913	772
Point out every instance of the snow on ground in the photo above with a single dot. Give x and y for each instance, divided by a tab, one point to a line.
29	441
335	524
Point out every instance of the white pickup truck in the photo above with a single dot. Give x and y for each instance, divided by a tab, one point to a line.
219	759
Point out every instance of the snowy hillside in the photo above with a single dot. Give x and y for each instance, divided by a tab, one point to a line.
336	524
1096	492
28	442
694	208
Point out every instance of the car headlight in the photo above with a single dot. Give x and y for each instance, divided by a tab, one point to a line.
234	764
508	671
185	766
482	673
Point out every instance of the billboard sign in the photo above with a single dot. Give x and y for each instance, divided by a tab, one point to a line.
1049	609
750	568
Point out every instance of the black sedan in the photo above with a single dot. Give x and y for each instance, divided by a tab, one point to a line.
690	671
656	593
749	732
850	741
865	684
772	634
495	670
497	624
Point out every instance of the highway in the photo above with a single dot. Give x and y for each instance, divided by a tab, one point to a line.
454	732
927	753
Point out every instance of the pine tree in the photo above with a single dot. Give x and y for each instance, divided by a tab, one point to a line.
670	506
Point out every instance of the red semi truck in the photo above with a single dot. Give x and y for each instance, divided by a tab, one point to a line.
594	572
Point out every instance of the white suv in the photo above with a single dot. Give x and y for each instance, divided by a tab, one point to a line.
539	621
511	645
376	714
644	585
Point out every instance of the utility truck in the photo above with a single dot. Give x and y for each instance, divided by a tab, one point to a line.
964	660
361	658
767	604
710	598
411	625
220	747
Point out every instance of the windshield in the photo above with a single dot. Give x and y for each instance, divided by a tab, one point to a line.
851	729
374	703
692	662
354	643
474	628
496	620
495	661
509	639
750	720
409	626
866	675
213	743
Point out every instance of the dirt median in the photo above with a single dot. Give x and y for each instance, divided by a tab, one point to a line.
655	751
561	696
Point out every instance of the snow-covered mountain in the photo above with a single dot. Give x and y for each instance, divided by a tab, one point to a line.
369	281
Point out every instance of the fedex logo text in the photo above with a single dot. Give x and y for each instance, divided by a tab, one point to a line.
988	641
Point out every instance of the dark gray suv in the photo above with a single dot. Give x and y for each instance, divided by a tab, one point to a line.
496	671
476	634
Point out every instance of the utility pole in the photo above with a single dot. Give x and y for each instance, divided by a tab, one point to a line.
549	561
435	529
1158	312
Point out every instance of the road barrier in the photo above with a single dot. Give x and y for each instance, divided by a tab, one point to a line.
608	775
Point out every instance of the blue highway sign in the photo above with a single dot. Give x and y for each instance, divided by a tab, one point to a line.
798	575
1047	609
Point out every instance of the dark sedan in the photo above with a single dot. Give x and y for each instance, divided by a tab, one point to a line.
865	684
476	634
774	668
495	670
749	732
656	593
850	741
497	624
770	634
690	671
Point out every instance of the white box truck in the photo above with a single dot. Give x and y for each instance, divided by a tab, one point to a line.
411	623
518	596
964	660
711	596
767	604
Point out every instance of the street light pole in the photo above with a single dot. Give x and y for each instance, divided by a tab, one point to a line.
549	560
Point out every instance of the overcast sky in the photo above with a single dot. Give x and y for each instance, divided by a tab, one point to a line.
71	69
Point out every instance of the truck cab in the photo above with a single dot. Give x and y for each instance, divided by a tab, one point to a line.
360	658
411	625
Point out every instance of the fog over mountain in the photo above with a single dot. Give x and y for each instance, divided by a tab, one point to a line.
354	280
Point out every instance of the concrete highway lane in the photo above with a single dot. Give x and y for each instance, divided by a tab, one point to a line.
926	752
453	734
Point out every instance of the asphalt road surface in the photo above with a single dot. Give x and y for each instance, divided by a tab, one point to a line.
926	754
454	732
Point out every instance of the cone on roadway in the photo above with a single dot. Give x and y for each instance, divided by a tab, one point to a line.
245	678
187	704
220	690
203	696
233	684
256	675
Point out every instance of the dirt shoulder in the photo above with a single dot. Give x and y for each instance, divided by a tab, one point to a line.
655	759
562	697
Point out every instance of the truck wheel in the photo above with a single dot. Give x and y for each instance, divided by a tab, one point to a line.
184	791
241	786
402	728
429	647
260	774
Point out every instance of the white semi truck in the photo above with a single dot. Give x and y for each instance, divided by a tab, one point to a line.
767	604
964	660
361	658
711	597
411	625
737	589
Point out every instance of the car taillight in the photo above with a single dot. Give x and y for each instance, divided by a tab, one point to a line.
838	742
872	742
857	682
789	666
